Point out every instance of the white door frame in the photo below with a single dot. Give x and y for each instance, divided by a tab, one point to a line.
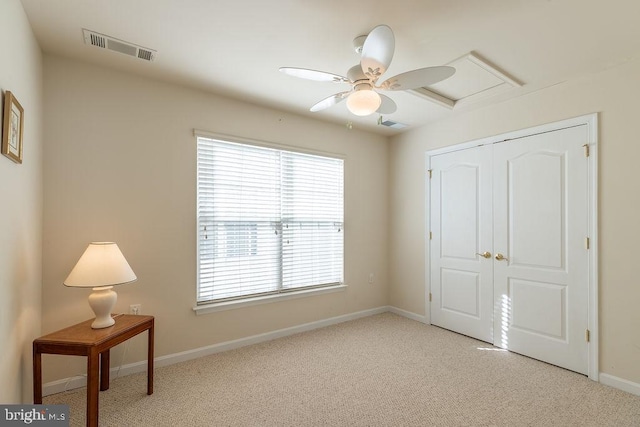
591	121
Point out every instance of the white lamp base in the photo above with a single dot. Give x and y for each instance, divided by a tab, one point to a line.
102	300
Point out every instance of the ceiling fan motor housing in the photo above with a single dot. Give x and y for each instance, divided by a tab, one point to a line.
362	86
356	75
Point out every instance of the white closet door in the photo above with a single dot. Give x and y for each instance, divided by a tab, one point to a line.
461	225
540	198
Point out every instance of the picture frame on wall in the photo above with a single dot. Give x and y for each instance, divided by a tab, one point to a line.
12	128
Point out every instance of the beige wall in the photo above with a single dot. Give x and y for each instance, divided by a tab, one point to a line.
120	166
614	95
20	208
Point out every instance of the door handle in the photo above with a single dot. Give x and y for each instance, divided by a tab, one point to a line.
485	254
500	257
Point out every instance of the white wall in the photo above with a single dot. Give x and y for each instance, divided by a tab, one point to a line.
120	166
20	208
614	95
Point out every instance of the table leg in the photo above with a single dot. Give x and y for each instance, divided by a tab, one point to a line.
104	370
150	360
37	376
93	365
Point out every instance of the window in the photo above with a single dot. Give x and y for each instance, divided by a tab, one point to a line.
269	221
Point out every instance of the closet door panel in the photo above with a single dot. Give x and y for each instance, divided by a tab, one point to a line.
461	225
540	225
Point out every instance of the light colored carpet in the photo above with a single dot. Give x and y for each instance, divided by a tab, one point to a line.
383	370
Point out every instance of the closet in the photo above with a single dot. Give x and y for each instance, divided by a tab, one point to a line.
510	229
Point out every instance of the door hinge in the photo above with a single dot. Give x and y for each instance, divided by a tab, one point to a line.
430	170
587	335
586	150
430	297
430	236
586	243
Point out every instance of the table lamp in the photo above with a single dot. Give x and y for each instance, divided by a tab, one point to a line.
101	267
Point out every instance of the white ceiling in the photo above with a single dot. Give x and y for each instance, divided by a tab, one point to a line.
235	47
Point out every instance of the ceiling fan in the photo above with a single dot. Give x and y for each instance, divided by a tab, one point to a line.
363	99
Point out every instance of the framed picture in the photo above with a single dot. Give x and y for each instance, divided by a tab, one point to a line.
13	125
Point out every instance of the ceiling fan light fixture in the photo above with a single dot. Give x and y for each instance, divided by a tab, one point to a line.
363	102
376	52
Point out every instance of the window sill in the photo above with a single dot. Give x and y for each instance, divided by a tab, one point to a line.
247	302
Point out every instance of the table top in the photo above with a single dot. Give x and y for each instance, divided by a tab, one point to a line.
83	334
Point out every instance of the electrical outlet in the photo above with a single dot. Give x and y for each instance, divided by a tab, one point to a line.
135	309
371	278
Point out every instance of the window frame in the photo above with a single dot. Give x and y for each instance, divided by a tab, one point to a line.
207	306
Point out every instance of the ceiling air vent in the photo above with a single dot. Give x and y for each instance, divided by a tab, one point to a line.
392	124
107	42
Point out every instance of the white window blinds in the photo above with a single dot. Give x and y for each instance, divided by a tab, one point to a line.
269	220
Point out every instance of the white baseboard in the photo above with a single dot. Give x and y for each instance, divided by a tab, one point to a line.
620	383
132	368
408	314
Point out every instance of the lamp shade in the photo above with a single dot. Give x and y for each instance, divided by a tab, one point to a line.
363	102
101	264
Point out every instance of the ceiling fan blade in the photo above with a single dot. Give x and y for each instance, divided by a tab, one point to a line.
418	78
377	51
330	101
319	76
387	106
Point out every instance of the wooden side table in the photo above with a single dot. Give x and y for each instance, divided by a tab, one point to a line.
81	340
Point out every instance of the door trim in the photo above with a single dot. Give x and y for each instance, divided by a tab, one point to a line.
591	121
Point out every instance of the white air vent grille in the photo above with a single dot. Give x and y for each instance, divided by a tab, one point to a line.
392	124
107	42
97	40
145	54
